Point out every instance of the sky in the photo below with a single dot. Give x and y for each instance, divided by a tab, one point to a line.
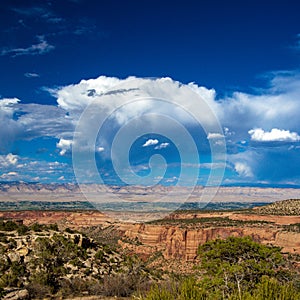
150	92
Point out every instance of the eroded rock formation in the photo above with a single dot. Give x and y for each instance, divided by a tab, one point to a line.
177	242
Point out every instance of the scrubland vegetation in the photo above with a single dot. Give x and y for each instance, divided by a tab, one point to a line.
235	268
206	222
45	262
289	207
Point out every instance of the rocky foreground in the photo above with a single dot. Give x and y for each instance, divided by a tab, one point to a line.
41	261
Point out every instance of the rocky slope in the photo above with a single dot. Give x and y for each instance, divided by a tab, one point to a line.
40	261
289	207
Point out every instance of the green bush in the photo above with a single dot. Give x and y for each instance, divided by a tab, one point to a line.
185	289
160	293
68	230
8	226
38	291
22	229
271	289
100	256
238	263
37	227
54	227
234	269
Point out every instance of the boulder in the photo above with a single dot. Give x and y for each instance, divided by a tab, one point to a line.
14	256
17	295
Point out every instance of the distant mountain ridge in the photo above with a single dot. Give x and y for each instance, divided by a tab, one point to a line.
72	192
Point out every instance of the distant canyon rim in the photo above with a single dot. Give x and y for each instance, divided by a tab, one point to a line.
72	192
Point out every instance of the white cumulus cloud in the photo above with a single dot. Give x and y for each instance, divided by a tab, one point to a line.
9	175
150	142
212	135
243	169
275	107
275	135
8	160
262	115
64	145
162	146
9	127
76	97
11	159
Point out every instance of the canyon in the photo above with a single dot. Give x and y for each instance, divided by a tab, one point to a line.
181	234
176	235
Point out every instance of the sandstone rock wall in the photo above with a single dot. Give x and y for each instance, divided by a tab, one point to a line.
182	243
173	241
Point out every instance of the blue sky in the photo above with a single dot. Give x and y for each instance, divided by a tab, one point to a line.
241	59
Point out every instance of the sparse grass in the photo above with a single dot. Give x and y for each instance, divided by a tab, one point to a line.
292	227
289	207
208	222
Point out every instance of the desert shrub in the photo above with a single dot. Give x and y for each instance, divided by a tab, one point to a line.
100	255
270	289
4	265
3	238
68	230
37	227
77	286
13	275
2	292
8	226
8	280
159	293
47	278
238	265
22	229
189	289
11	243
117	285
74	287
184	289
53	227
292	227
122	285
234	269
38	291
